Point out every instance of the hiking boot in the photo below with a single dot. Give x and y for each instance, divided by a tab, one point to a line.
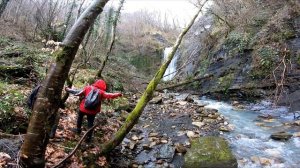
76	130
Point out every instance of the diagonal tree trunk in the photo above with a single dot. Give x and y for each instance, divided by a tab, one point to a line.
147	95
48	100
112	41
184	82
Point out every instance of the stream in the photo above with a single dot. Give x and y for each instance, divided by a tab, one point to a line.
162	135
250	140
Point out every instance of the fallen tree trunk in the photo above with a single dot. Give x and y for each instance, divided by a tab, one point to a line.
184	82
146	97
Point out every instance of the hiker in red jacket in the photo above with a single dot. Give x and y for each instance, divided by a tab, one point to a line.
100	87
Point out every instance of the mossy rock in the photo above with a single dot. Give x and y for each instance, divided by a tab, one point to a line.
210	152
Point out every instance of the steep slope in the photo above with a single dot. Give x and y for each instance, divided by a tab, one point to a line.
257	56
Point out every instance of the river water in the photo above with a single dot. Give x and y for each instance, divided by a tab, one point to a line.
250	139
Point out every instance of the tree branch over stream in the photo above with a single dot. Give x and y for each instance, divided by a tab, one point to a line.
184	82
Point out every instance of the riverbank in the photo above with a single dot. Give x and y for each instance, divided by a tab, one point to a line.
165	130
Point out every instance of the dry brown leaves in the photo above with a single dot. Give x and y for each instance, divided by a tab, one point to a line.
55	151
67	121
4	159
101	161
54	154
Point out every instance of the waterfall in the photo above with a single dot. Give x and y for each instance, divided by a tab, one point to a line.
171	70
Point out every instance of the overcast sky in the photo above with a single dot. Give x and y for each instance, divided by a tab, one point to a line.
182	10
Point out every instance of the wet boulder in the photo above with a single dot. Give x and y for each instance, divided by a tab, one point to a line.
210	152
166	152
156	100
189	99
281	136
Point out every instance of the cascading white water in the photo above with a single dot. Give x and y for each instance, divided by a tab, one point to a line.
171	70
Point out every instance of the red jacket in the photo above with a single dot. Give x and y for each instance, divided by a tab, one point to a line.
100	84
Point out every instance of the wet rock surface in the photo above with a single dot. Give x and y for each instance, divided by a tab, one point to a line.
164	132
281	136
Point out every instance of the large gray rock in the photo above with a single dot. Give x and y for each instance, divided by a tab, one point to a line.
210	152
166	152
281	136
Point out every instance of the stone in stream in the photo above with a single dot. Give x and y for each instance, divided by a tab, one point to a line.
226	128
134	137
210	152
180	148
235	103
166	152
190	134
281	136
150	165
199	110
156	100
198	124
142	158
182	103
153	134
145	157
262	161
296	134
146	146
189	99
297	123
211	110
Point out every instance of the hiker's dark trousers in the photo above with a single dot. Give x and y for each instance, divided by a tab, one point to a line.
90	119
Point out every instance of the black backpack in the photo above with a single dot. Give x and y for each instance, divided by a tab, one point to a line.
92	100
32	97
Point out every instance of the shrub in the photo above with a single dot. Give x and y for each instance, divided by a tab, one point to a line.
268	56
225	82
10	98
237	42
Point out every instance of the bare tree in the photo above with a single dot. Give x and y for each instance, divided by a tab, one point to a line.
3	6
112	41
48	100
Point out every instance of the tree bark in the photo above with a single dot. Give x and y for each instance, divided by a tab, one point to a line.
3	6
46	106
146	97
112	41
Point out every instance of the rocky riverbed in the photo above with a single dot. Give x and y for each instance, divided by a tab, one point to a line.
164	132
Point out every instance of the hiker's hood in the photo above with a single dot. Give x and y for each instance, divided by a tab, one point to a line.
100	84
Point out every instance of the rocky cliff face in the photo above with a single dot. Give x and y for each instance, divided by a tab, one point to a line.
256	60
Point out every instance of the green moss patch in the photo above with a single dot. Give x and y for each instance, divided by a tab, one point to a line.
210	152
